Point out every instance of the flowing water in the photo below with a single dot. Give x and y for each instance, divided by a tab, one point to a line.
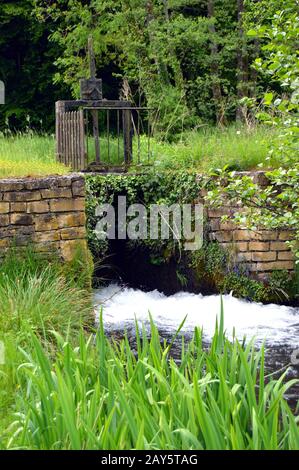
277	325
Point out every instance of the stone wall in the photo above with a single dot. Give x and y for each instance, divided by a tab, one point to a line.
260	252
48	212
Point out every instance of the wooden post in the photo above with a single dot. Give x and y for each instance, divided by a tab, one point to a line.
59	110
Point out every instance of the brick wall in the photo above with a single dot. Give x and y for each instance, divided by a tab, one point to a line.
261	251
49	212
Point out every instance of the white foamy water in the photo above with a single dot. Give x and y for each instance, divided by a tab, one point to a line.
276	324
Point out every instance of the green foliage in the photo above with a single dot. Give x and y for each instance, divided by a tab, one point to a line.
80	268
160	52
104	395
218	268
146	188
279	65
26	68
277	205
36	297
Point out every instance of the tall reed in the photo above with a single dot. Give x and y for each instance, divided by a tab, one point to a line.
103	394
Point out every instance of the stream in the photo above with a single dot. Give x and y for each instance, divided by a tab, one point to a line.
277	325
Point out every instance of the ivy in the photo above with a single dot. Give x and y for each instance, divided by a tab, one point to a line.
146	188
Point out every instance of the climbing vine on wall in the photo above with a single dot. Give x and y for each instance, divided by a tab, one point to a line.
146	188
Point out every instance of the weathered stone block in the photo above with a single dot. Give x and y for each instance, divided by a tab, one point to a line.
38	207
279	246
251	267
275	265
21	219
285	255
50	236
242	235
259	246
66	181
22	196
56	193
4	220
264	256
67	205
73	233
78	188
227	226
264	235
73	219
4	207
48	247
241	246
18	207
11	185
286	235
221	236
46	222
39	183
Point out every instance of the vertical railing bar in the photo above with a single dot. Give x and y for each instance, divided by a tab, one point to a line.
67	124
64	139
72	140
108	132
86	130
78	140
77	137
118	131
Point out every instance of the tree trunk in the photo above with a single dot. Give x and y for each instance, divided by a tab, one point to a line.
215	79
242	64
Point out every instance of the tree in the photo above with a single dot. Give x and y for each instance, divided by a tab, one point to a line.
217	94
242	64
26	68
178	56
277	205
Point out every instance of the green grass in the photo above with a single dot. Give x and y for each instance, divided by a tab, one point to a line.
64	388
102	395
207	148
212	148
35	297
28	155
